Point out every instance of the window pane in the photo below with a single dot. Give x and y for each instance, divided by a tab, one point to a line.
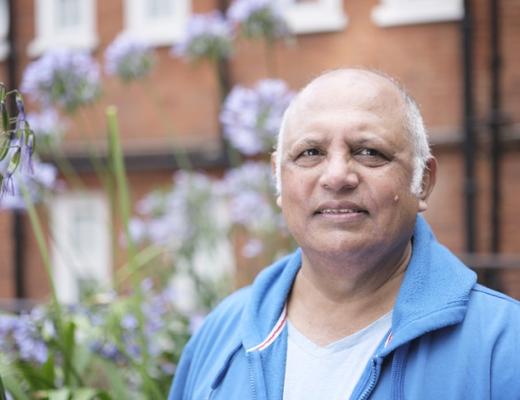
157	9
67	14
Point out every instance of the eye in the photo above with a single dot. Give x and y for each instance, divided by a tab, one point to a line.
370	157
369	153
310	153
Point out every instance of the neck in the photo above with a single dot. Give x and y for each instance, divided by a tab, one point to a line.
331	299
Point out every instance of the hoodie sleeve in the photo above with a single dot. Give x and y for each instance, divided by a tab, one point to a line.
180	388
505	369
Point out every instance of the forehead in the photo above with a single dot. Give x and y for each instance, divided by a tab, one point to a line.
357	97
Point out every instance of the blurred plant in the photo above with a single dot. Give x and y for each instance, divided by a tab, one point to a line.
129	58
182	217
49	128
118	352
62	78
251	117
258	19
207	36
251	202
38	184
17	160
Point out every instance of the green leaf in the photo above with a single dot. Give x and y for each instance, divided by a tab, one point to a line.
2	390
90	394
5	142
34	376
118	387
14	387
60	394
47	369
5	116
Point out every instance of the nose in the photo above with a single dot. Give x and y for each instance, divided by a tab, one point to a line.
339	173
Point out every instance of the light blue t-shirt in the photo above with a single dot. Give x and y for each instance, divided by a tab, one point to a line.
330	372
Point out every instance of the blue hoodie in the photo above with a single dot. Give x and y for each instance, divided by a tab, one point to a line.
451	338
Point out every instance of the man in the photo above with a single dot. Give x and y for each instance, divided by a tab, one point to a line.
371	305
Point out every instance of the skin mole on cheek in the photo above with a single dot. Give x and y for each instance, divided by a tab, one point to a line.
396	198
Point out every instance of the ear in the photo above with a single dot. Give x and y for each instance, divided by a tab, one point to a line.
273	172
428	182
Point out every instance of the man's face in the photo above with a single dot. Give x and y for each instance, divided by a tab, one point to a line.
346	168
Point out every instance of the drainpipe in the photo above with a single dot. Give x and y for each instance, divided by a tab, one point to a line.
18	232
495	128
470	185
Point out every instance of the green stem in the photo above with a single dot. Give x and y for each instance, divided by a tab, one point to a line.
42	247
119	173
40	240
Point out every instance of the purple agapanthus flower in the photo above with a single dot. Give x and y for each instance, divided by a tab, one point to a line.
43	179
258	18
129	58
19	334
207	36
250	191
64	78
172	218
252	117
47	125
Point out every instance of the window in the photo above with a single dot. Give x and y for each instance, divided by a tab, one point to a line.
159	22
4	28
81	244
64	23
405	12
307	16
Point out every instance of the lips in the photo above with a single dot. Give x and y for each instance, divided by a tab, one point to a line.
339	208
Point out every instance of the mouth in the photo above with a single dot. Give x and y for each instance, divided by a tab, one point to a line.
339	209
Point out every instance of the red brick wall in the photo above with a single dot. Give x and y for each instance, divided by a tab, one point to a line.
426	58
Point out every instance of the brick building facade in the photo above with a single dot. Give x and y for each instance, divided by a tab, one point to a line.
421	45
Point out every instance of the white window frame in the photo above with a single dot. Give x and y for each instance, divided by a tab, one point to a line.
319	16
156	33
4	29
69	264
83	37
407	12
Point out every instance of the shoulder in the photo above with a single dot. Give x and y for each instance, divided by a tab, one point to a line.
490	301
224	319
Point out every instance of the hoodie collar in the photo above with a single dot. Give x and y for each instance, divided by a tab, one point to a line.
435	289
434	294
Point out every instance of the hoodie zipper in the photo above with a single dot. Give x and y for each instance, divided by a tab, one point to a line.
374	375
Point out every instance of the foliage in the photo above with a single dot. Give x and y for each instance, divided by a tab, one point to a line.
63	78
258	19
129	58
125	342
207	36
251	117
18	164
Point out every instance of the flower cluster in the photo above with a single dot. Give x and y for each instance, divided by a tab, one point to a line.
24	335
252	117
250	192
63	78
258	19
128	58
122	335
144	328
207	36
181	217
41	181
19	167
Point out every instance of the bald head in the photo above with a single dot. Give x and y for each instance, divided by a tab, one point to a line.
367	89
